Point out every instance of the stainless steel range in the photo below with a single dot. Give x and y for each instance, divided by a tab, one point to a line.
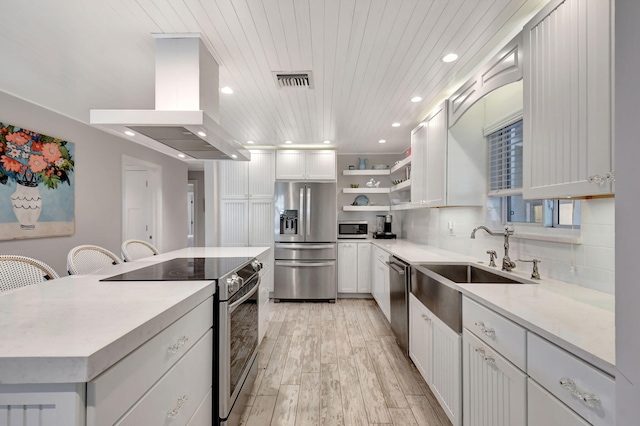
236	328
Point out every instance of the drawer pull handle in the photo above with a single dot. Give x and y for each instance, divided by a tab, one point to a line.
172	414
426	317
588	399
490	332
173	349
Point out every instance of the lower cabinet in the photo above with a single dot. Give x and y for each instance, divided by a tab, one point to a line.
354	267
380	288
436	351
512	376
545	409
495	391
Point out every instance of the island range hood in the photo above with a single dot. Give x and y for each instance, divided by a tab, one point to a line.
186	114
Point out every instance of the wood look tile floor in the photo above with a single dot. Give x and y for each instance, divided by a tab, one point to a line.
337	364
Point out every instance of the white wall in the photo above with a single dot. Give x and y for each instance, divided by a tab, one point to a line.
627	129
98	186
592	261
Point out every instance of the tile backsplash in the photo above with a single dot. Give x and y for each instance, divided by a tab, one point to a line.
589	263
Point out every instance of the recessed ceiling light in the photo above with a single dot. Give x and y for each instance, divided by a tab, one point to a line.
288	142
226	90
129	133
250	142
182	156
395	125
327	141
234	156
416	99
450	57
381	141
203	134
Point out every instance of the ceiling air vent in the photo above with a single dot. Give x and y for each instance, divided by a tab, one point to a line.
294	80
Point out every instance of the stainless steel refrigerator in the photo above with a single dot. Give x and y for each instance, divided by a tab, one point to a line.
305	238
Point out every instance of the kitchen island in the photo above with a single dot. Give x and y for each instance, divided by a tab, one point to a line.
60	336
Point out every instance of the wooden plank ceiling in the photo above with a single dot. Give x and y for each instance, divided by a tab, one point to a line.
368	58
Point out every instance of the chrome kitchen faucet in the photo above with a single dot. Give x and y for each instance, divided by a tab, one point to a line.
507	263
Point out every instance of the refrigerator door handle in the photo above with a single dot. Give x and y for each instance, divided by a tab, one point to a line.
308	211
301	228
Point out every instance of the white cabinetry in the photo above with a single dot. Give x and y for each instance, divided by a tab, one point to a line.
380	280
512	376
246	200
354	267
544	409
568	143
306	165
436	351
494	389
443	172
155	378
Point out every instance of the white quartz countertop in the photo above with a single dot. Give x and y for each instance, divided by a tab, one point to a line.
72	329
418	253
578	319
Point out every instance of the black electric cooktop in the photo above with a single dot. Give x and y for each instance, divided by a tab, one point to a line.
189	268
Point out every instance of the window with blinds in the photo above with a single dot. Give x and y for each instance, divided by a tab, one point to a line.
505	160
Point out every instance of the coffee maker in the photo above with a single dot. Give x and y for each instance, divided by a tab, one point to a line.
383	227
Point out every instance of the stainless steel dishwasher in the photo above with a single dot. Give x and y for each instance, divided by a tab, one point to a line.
399	298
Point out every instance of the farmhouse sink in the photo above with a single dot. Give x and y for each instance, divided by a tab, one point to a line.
470	274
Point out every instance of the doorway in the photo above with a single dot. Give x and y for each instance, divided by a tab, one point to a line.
141	215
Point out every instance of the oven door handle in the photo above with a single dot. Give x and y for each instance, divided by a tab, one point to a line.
232	307
304	264
305	246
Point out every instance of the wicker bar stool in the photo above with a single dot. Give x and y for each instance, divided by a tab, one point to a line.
20	271
86	259
137	249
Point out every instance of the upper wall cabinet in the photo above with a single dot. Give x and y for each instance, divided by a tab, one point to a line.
248	179
443	172
306	165
568	143
502	69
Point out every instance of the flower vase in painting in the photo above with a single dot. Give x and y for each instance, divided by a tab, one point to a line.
36	173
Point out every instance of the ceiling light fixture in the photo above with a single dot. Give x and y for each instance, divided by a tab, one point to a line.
226	90
416	99
288	142
450	57
327	141
182	156
250	142
129	133
234	156
395	125
381	141
203	134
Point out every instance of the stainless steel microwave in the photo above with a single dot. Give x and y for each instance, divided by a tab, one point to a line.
353	229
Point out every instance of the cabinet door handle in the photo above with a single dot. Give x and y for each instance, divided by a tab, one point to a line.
173	349
425	317
490	332
479	350
588	399
172	414
491	361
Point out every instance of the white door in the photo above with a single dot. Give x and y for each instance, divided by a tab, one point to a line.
138	206
347	268
234	223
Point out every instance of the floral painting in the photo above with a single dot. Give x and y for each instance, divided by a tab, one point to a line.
36	184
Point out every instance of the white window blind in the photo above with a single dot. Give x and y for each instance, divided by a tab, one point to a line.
505	160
